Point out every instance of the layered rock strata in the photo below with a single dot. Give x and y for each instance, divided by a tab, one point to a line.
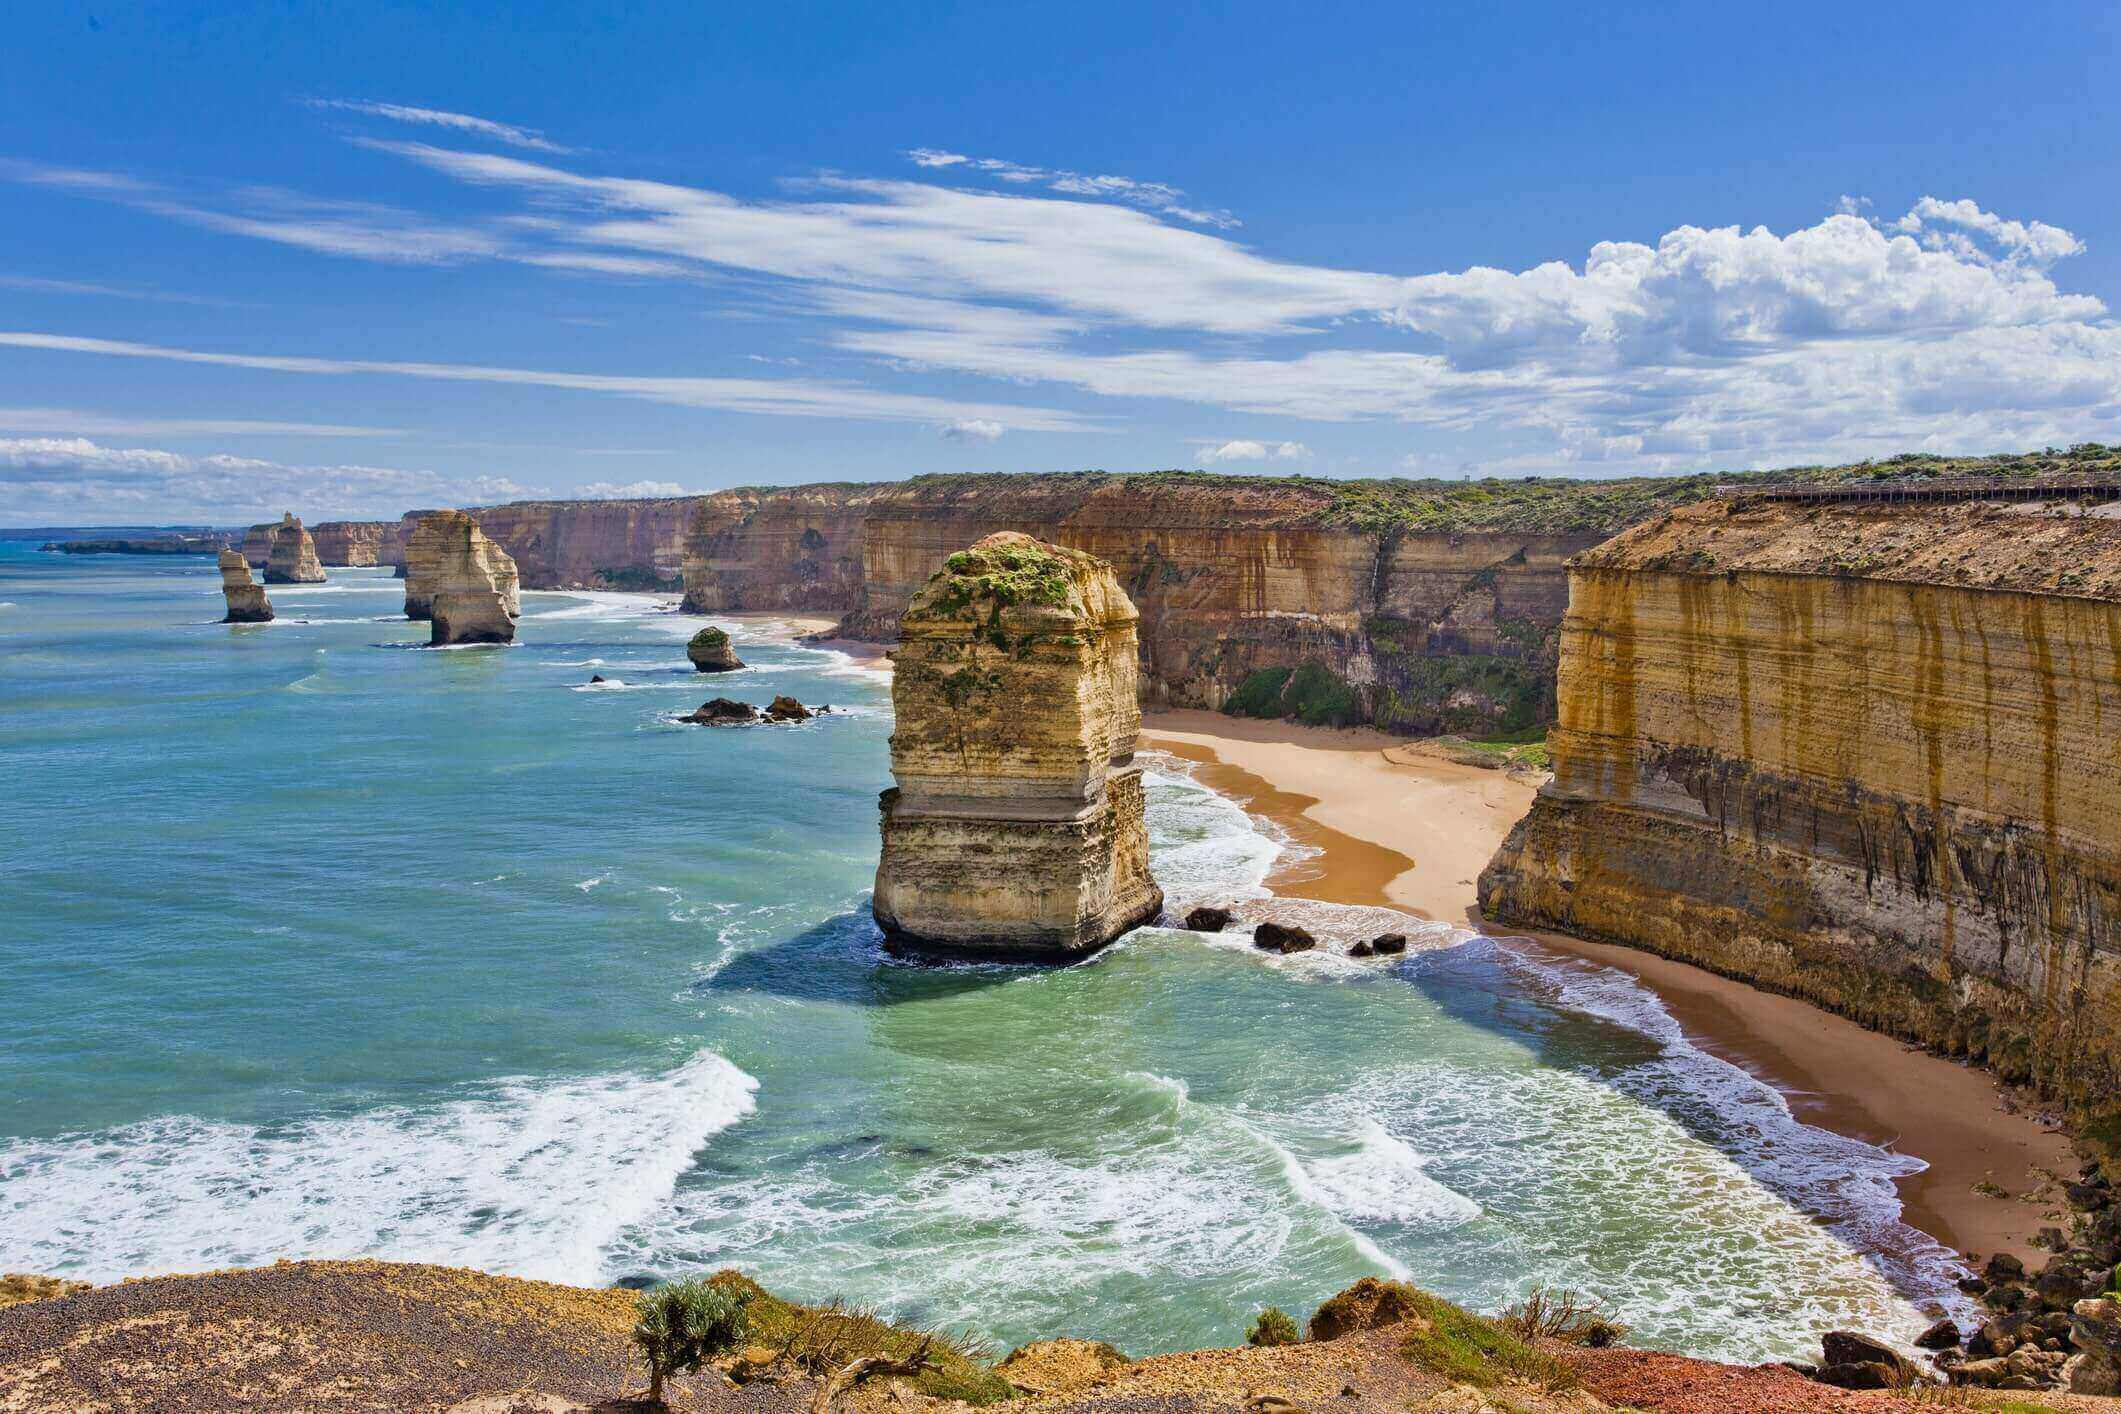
294	554
257	544
436	544
360	542
1015	829
1868	755
461	581
246	599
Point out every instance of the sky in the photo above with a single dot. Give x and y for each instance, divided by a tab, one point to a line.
351	259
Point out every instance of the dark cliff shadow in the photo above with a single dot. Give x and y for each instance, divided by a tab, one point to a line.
844	959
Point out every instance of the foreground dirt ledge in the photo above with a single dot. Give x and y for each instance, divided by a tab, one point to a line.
380	1335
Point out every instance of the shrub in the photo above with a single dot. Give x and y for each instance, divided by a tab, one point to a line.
1319	698
682	1325
1566	1316
1274	1327
1259	695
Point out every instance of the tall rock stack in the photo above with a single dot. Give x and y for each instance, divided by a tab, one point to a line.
461	581
247	603
1016	826
294	555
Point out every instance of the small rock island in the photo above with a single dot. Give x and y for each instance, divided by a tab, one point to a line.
293	558
460	581
710	652
1015	830
247	603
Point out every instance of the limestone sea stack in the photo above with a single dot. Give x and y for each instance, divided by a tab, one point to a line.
432	550
257	544
1015	830
467	584
247	603
294	555
710	652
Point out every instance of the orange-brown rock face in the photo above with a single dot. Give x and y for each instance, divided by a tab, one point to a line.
460	580
246	599
636	545
1016	827
359	542
294	555
798	547
1867	755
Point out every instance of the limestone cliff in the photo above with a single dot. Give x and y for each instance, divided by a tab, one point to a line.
592	544
1869	754
294	555
360	542
246	600
1016	825
794	547
257	544
461	581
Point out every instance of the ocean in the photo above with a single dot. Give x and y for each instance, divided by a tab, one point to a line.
315	942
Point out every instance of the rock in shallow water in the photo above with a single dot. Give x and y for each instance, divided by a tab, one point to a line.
1277	937
293	558
710	652
247	603
1207	919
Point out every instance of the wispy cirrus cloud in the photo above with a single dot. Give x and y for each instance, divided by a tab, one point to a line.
1160	197
63	478
70	421
465	123
787	397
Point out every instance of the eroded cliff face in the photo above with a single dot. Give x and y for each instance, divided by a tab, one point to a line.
257	544
245	598
1016	826
294	555
798	547
360	542
634	545
467	585
1867	755
1238	581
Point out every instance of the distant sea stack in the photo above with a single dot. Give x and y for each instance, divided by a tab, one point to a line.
1016	827
294	555
461	581
247	603
710	652
1861	746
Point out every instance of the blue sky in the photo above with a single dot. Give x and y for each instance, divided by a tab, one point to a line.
353	259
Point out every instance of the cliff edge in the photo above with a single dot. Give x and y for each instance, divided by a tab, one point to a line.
1868	753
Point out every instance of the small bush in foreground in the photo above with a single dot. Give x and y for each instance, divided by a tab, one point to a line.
1566	1316
1274	1327
682	1325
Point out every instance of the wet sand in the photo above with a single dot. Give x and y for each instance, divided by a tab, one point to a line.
1413	832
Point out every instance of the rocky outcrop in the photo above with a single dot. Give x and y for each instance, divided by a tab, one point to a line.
360	542
466	584
1016	827
710	652
294	554
1866	754
445	547
247	603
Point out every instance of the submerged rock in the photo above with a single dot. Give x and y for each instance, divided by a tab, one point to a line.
1385	944
710	652
1362	950
787	709
461	581
247	603
1016	829
1208	919
293	559
1277	937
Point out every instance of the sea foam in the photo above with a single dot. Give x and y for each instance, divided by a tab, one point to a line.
528	1177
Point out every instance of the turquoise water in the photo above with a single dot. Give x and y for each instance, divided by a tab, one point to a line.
316	942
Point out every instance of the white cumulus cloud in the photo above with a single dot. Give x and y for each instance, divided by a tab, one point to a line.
1244	450
972	429
630	491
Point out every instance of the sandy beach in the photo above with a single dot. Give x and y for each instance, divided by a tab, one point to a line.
1414	831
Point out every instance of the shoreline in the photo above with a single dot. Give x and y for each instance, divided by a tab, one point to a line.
1412	832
